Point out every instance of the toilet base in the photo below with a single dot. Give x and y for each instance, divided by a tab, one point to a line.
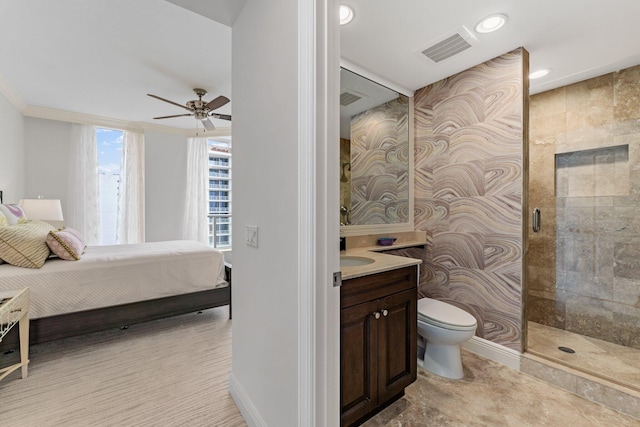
443	360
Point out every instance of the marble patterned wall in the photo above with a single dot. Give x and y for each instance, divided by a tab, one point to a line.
379	158
470	137
345	180
584	265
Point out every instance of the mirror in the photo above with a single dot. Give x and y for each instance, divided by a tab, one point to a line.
375	153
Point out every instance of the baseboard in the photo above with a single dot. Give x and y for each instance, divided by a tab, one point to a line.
492	351
244	404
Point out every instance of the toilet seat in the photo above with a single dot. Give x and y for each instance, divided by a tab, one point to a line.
444	315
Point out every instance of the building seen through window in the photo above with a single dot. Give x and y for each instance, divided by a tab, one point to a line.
219	199
109	158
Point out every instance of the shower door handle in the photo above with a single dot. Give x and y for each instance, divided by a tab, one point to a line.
535	220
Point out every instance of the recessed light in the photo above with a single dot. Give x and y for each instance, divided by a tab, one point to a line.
491	23
540	73
346	14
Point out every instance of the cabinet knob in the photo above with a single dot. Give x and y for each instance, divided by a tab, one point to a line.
376	315
385	313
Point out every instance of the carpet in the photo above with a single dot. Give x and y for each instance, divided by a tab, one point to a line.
168	372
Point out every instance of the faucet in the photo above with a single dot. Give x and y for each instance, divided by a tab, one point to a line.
345	213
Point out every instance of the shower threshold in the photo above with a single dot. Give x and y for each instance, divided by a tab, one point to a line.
611	362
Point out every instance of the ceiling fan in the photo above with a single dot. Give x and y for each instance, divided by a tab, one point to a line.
200	109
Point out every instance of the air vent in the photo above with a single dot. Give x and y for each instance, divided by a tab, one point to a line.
449	45
349	97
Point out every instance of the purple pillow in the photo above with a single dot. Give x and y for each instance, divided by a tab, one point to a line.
65	244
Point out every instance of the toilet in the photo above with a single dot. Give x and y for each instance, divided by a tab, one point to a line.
442	328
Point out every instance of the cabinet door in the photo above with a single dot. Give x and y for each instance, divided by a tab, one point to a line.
358	361
397	344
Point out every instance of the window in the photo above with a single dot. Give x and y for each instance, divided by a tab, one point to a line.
220	193
109	156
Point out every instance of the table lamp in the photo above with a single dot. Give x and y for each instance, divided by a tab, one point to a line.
47	210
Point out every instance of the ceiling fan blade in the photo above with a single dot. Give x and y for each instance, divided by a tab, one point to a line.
221	116
217	103
208	125
170	102
175	115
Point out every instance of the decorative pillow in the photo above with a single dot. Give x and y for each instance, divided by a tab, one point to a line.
25	245
65	244
78	236
3	220
14	214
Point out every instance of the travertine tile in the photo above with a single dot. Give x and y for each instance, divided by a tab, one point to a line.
609	397
492	395
597	189
548	103
627	258
627	94
546	311
602	363
558	377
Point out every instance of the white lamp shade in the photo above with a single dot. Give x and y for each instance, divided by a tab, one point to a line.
42	209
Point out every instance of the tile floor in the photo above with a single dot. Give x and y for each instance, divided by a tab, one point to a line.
493	395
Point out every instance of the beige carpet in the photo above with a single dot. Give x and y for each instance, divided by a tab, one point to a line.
169	372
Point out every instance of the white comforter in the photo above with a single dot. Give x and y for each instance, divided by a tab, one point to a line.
118	274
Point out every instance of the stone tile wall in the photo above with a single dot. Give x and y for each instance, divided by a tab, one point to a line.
584	265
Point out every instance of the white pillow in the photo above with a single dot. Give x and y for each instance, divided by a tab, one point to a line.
14	214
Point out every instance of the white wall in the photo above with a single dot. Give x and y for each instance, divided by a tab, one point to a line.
46	151
165	184
12	174
47	159
265	287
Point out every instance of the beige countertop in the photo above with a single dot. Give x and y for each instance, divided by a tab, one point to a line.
381	262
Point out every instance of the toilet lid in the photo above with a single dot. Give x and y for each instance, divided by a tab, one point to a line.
444	313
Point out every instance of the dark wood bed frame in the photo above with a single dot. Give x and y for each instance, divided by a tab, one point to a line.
84	322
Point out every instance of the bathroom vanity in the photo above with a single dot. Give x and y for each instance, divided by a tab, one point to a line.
378	341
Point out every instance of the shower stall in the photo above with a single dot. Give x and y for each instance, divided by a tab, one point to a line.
583	265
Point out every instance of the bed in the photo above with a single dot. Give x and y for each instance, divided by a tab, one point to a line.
114	286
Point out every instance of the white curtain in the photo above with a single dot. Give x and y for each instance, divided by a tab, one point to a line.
83	204
196	223
131	196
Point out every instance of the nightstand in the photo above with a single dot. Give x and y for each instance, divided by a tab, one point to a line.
14	309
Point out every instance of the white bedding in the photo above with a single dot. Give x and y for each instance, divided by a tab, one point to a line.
118	274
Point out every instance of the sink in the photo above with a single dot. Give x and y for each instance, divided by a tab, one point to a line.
354	261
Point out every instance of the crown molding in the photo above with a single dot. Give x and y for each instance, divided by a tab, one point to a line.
345	63
88	119
11	94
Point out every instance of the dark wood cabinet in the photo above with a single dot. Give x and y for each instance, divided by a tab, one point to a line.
378	325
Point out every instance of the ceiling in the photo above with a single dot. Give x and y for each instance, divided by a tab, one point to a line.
578	39
101	57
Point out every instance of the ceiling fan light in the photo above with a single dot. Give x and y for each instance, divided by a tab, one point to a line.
346	14
491	23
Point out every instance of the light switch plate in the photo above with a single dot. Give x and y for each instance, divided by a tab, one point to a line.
252	236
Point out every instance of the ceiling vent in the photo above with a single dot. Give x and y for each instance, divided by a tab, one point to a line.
449	45
348	97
